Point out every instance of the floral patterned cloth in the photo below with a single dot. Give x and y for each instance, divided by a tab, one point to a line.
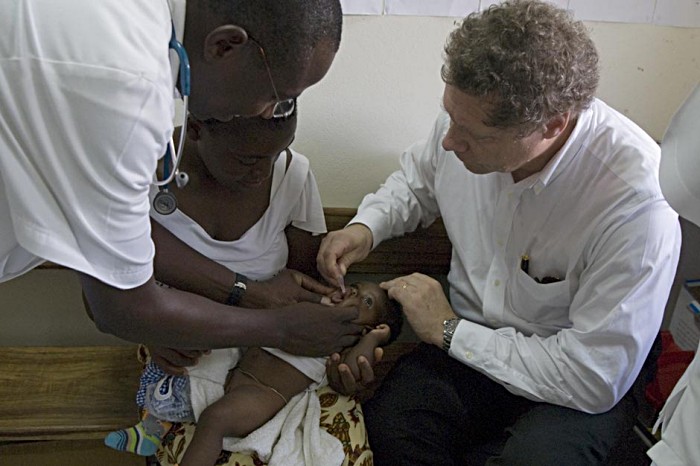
341	416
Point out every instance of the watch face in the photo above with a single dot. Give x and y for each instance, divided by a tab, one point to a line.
451	325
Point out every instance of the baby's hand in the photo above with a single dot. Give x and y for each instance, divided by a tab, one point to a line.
380	333
354	369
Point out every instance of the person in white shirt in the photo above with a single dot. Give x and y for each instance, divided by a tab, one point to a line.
86	111
678	174
563	254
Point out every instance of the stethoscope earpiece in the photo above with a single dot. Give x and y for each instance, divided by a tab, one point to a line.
181	179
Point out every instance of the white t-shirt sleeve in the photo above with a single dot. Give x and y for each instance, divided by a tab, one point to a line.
307	214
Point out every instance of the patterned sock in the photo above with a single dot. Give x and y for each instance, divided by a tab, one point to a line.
142	439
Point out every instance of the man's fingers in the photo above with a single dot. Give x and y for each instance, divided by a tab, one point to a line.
312	285
168	367
311	297
174	361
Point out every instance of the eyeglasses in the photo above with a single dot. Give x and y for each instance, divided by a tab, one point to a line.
283	108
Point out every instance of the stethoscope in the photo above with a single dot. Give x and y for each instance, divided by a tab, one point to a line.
165	202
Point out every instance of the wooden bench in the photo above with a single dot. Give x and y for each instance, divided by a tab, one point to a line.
84	392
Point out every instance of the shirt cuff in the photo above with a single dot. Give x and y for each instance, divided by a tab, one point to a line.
469	343
375	222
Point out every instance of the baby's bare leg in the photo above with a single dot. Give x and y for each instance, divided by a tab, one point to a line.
259	387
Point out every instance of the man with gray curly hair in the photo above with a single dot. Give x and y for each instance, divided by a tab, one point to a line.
564	252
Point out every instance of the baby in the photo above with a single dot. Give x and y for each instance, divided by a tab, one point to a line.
262	382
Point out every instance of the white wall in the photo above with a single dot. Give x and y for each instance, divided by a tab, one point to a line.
383	92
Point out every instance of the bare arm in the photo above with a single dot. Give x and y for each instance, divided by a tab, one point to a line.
168	317
182	267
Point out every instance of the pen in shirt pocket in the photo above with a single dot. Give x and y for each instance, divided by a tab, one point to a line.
525	263
525	267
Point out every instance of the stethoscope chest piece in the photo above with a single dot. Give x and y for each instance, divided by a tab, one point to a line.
165	202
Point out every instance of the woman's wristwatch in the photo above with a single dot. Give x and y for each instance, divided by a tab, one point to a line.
238	290
448	331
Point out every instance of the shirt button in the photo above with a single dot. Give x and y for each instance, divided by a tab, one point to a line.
496	282
468	355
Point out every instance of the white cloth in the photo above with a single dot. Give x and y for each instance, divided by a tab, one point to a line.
594	218
680	437
293	436
86	108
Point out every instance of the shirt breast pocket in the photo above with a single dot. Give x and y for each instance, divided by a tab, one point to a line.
540	303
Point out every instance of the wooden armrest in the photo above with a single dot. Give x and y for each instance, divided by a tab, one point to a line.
50	393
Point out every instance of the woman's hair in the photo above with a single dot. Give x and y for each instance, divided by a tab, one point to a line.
530	59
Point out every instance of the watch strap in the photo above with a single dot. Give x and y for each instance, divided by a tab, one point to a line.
448	331
238	290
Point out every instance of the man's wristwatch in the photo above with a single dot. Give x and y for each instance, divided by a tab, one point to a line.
238	290
448	331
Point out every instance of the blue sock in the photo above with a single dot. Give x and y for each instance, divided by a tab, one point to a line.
142	439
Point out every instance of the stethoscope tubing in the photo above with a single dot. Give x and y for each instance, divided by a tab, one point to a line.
165	202
175	156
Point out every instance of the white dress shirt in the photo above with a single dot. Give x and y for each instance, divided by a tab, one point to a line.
593	219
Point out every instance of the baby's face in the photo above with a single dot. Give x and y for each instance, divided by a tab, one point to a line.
369	298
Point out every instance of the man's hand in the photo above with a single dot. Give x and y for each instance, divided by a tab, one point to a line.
424	305
174	361
342	248
317	330
287	287
354	369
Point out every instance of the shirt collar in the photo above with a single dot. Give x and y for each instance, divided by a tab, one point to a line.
566	153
